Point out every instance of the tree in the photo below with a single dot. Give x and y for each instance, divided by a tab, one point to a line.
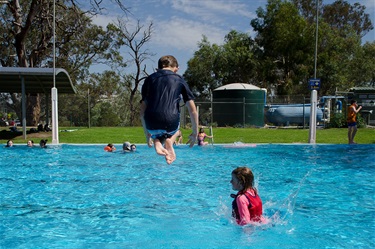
286	35
134	41
341	15
213	65
237	62
201	74
27	41
286	45
362	68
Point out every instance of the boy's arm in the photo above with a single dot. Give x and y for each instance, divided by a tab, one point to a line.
194	121
356	110
142	115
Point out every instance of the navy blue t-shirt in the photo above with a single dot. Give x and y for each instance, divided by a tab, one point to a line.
162	93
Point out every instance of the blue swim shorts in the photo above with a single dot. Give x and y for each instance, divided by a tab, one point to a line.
352	124
162	134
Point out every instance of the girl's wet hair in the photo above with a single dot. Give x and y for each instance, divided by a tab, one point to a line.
246	177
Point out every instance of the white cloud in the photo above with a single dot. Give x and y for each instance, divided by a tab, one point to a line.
213	11
102	20
185	34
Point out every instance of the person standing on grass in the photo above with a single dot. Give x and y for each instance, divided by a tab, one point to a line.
160	110
352	120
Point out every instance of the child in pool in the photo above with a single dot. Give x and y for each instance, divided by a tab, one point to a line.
43	143
110	148
247	205
9	143
201	136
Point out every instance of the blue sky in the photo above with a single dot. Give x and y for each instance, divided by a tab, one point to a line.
180	24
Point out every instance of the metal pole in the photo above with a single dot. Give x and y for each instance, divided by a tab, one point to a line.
55	119
198	114
304	113
212	111
316	37
314	95
312	130
23	107
244	112
88	107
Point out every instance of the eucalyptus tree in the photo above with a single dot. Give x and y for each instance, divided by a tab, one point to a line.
285	41
286	35
215	65
237	61
362	68
133	41
343	16
27	41
201	73
342	62
339	15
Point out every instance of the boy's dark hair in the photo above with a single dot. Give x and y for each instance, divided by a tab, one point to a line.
167	61
353	101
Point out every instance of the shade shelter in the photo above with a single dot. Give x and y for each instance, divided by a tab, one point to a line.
35	80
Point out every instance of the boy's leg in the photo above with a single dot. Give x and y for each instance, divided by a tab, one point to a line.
171	156
353	134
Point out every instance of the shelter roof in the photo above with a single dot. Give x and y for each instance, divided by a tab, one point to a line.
37	80
362	89
238	86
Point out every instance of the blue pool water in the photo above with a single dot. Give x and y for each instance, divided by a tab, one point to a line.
78	196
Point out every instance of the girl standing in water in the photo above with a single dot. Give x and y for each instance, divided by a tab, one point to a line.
247	205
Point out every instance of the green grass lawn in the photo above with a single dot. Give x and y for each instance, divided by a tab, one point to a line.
119	135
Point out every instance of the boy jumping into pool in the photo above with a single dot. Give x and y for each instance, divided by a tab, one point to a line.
160	110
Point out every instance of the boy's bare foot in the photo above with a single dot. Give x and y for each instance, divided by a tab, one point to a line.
160	150
170	157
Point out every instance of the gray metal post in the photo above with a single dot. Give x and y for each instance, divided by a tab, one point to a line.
312	130
244	112
23	107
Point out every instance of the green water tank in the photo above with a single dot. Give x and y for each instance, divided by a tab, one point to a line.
239	104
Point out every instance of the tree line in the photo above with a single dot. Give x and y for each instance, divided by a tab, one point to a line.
280	57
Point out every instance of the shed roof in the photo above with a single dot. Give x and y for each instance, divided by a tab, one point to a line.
238	86
362	89
37	80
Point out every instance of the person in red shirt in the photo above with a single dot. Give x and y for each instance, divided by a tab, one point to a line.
247	205
110	148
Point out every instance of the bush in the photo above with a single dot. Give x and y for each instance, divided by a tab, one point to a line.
361	122
337	120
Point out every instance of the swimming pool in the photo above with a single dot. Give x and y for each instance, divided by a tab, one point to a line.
78	196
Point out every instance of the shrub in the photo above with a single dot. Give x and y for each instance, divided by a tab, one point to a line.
337	120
